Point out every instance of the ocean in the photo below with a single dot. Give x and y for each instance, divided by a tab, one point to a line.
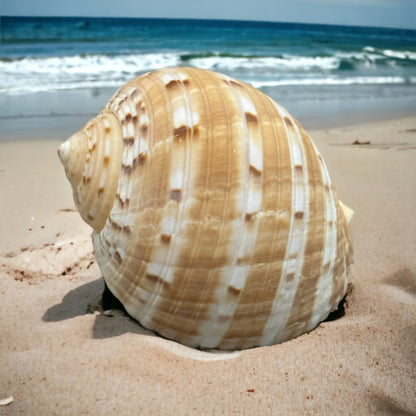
58	71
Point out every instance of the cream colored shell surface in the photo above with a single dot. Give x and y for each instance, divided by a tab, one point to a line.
216	222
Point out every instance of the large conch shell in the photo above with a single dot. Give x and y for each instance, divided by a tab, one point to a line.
215	220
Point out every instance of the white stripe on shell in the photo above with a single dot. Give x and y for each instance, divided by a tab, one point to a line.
274	331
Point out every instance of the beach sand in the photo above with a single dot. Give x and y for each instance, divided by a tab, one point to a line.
59	355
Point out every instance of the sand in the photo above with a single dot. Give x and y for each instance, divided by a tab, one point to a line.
59	355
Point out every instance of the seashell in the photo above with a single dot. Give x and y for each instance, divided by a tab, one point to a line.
215	221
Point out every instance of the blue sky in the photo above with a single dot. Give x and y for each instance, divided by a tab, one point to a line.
385	13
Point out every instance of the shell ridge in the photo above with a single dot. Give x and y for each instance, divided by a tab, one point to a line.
121	205
215	328
90	165
220	307
305	295
97	156
275	320
151	270
272	267
206	326
144	316
188	157
293	260
322	307
263	277
237	277
156	304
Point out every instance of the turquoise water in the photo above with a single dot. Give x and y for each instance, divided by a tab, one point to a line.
311	69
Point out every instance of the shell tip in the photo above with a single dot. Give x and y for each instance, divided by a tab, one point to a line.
64	151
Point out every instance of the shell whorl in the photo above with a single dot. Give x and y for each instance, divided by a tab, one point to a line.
91	159
224	229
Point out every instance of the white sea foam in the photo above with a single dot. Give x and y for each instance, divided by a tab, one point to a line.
334	81
291	62
69	72
373	53
25	75
400	54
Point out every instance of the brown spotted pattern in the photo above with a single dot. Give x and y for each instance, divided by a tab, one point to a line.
215	220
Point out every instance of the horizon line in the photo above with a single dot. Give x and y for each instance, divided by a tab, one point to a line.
271	22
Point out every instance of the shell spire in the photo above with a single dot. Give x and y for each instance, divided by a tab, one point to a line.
91	159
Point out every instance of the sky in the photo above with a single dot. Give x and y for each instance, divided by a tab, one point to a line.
382	13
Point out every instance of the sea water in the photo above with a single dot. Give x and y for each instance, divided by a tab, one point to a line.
57	67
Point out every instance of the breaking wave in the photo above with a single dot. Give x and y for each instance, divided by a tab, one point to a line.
48	73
